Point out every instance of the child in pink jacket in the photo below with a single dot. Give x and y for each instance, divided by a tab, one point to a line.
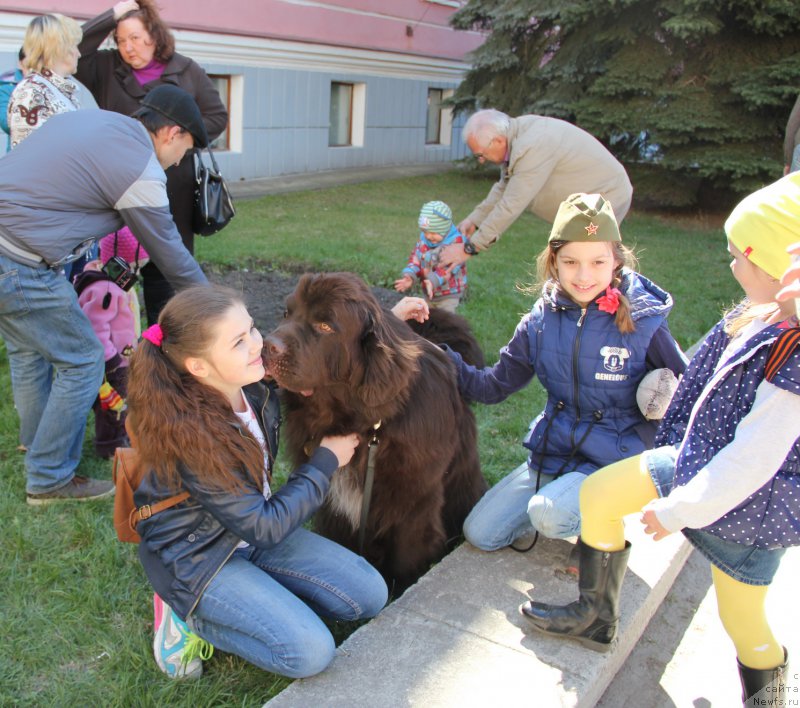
106	296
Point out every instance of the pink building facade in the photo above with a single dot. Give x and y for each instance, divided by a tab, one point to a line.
311	85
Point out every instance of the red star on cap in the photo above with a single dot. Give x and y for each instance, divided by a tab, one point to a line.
591	229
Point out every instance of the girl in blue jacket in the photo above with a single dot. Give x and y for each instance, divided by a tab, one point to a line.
727	469
232	563
597	330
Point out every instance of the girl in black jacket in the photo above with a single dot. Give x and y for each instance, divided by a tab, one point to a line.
232	563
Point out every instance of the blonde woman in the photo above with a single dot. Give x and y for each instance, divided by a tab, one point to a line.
51	57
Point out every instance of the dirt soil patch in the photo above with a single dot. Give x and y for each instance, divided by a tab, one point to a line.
265	290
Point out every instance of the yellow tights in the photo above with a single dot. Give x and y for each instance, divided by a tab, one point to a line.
624	488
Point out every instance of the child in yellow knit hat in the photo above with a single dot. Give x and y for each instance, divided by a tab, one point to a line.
725	470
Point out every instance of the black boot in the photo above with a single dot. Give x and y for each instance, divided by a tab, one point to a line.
755	680
594	617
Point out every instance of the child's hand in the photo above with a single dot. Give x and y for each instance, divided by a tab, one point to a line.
343	446
412	308
653	526
428	286
403	284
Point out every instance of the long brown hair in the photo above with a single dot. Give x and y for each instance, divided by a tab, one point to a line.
156	28
624	257
174	417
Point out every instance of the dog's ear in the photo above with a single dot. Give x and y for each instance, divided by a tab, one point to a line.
388	359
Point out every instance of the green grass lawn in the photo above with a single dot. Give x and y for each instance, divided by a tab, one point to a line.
75	605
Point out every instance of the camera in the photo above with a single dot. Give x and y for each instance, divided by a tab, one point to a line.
118	270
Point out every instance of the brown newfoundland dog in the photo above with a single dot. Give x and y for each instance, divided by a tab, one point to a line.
345	364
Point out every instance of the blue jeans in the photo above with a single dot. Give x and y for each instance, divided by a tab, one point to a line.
265	605
56	364
512	508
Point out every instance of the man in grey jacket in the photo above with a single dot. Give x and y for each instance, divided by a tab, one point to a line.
80	176
544	161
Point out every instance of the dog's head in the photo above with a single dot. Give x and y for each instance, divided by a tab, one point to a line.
336	337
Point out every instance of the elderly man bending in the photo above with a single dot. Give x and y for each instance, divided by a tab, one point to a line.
544	161
80	176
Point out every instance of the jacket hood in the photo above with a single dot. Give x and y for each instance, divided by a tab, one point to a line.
646	298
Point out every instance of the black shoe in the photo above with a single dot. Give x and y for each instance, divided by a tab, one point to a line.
756	680
593	619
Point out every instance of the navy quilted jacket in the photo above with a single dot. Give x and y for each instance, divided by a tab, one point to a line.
590	371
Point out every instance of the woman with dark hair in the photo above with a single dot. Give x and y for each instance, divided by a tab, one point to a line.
120	78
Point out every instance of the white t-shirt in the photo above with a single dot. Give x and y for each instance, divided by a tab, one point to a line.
249	421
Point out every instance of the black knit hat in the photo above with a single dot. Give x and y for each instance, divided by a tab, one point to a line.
178	106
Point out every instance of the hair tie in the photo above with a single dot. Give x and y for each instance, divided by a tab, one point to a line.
154	334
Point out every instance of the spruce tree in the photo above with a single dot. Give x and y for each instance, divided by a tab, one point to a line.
692	95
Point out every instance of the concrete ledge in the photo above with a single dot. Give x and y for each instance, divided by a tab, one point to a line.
456	638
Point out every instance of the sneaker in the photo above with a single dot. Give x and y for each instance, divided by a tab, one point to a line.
77	489
179	652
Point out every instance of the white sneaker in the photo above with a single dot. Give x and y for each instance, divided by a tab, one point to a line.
178	651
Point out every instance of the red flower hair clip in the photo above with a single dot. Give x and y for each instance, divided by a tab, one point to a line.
610	301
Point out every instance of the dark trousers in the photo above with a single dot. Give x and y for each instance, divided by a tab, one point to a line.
180	191
109	426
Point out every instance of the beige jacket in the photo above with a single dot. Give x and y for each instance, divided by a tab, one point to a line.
549	159
792	137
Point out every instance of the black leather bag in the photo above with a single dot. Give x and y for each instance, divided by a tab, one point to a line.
213	206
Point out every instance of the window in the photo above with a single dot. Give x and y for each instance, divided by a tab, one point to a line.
341	128
433	125
439	121
223	85
347	111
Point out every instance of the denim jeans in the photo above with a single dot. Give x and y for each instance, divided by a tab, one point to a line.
512	508
56	364
265	605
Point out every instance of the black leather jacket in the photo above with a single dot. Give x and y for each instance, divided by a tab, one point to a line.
183	547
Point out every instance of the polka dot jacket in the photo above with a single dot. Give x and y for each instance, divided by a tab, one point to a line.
769	518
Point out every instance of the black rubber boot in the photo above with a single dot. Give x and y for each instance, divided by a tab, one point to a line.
594	617
755	680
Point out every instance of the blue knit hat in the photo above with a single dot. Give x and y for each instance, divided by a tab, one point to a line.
436	217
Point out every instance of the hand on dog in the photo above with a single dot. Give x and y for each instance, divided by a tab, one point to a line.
412	308
343	446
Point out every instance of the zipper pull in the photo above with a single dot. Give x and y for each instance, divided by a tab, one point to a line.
583	314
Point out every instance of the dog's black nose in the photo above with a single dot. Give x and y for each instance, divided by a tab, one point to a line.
274	346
